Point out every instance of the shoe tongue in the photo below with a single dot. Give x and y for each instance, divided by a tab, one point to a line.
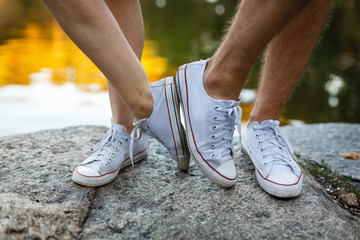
229	103
270	123
119	128
118	132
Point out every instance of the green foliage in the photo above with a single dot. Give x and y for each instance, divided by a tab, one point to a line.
326	177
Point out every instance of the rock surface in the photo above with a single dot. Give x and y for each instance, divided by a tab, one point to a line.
37	197
317	142
153	200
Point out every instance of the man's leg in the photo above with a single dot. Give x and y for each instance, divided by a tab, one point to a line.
210	120
286	56
129	17
255	24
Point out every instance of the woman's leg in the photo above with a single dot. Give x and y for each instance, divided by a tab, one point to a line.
95	30
129	17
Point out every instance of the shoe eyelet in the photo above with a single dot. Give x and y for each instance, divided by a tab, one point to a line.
262	156
254	128
256	135
215	118
264	164
212	155
213	137
216	108
113	154
214	127
110	159
259	142
212	146
261	149
121	144
107	164
126	139
147	127
125	155
117	149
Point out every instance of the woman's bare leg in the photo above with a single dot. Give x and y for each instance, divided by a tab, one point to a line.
94	29
129	17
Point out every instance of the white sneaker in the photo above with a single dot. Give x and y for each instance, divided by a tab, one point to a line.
110	155
164	122
209	125
275	163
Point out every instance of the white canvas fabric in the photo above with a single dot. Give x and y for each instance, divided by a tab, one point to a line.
209	125
110	155
275	163
164	122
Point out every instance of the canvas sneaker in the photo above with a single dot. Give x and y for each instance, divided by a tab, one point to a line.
270	151
164	122
110	155
209	125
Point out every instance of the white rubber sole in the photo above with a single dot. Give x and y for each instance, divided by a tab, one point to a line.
96	181
202	164
179	136
277	189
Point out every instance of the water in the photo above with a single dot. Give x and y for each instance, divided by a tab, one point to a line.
46	82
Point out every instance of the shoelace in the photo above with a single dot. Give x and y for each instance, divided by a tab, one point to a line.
222	140
277	145
138	126
108	146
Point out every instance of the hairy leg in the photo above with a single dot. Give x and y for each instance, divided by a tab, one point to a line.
129	17
286	56
94	29
255	24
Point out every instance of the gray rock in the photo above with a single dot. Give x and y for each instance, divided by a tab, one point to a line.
153	200
37	196
317	142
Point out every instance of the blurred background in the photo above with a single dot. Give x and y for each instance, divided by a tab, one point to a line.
46	82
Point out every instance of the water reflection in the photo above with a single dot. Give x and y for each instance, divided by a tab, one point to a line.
58	57
32	47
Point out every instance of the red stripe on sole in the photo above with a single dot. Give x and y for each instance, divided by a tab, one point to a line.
279	183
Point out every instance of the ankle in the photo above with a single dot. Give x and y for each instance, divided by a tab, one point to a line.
144	109
129	128
219	83
259	116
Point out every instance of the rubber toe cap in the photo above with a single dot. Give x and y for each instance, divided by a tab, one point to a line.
228	170
85	171
283	175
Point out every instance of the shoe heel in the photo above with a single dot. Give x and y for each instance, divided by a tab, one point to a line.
182	151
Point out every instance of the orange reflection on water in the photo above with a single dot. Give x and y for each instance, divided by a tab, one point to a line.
48	50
